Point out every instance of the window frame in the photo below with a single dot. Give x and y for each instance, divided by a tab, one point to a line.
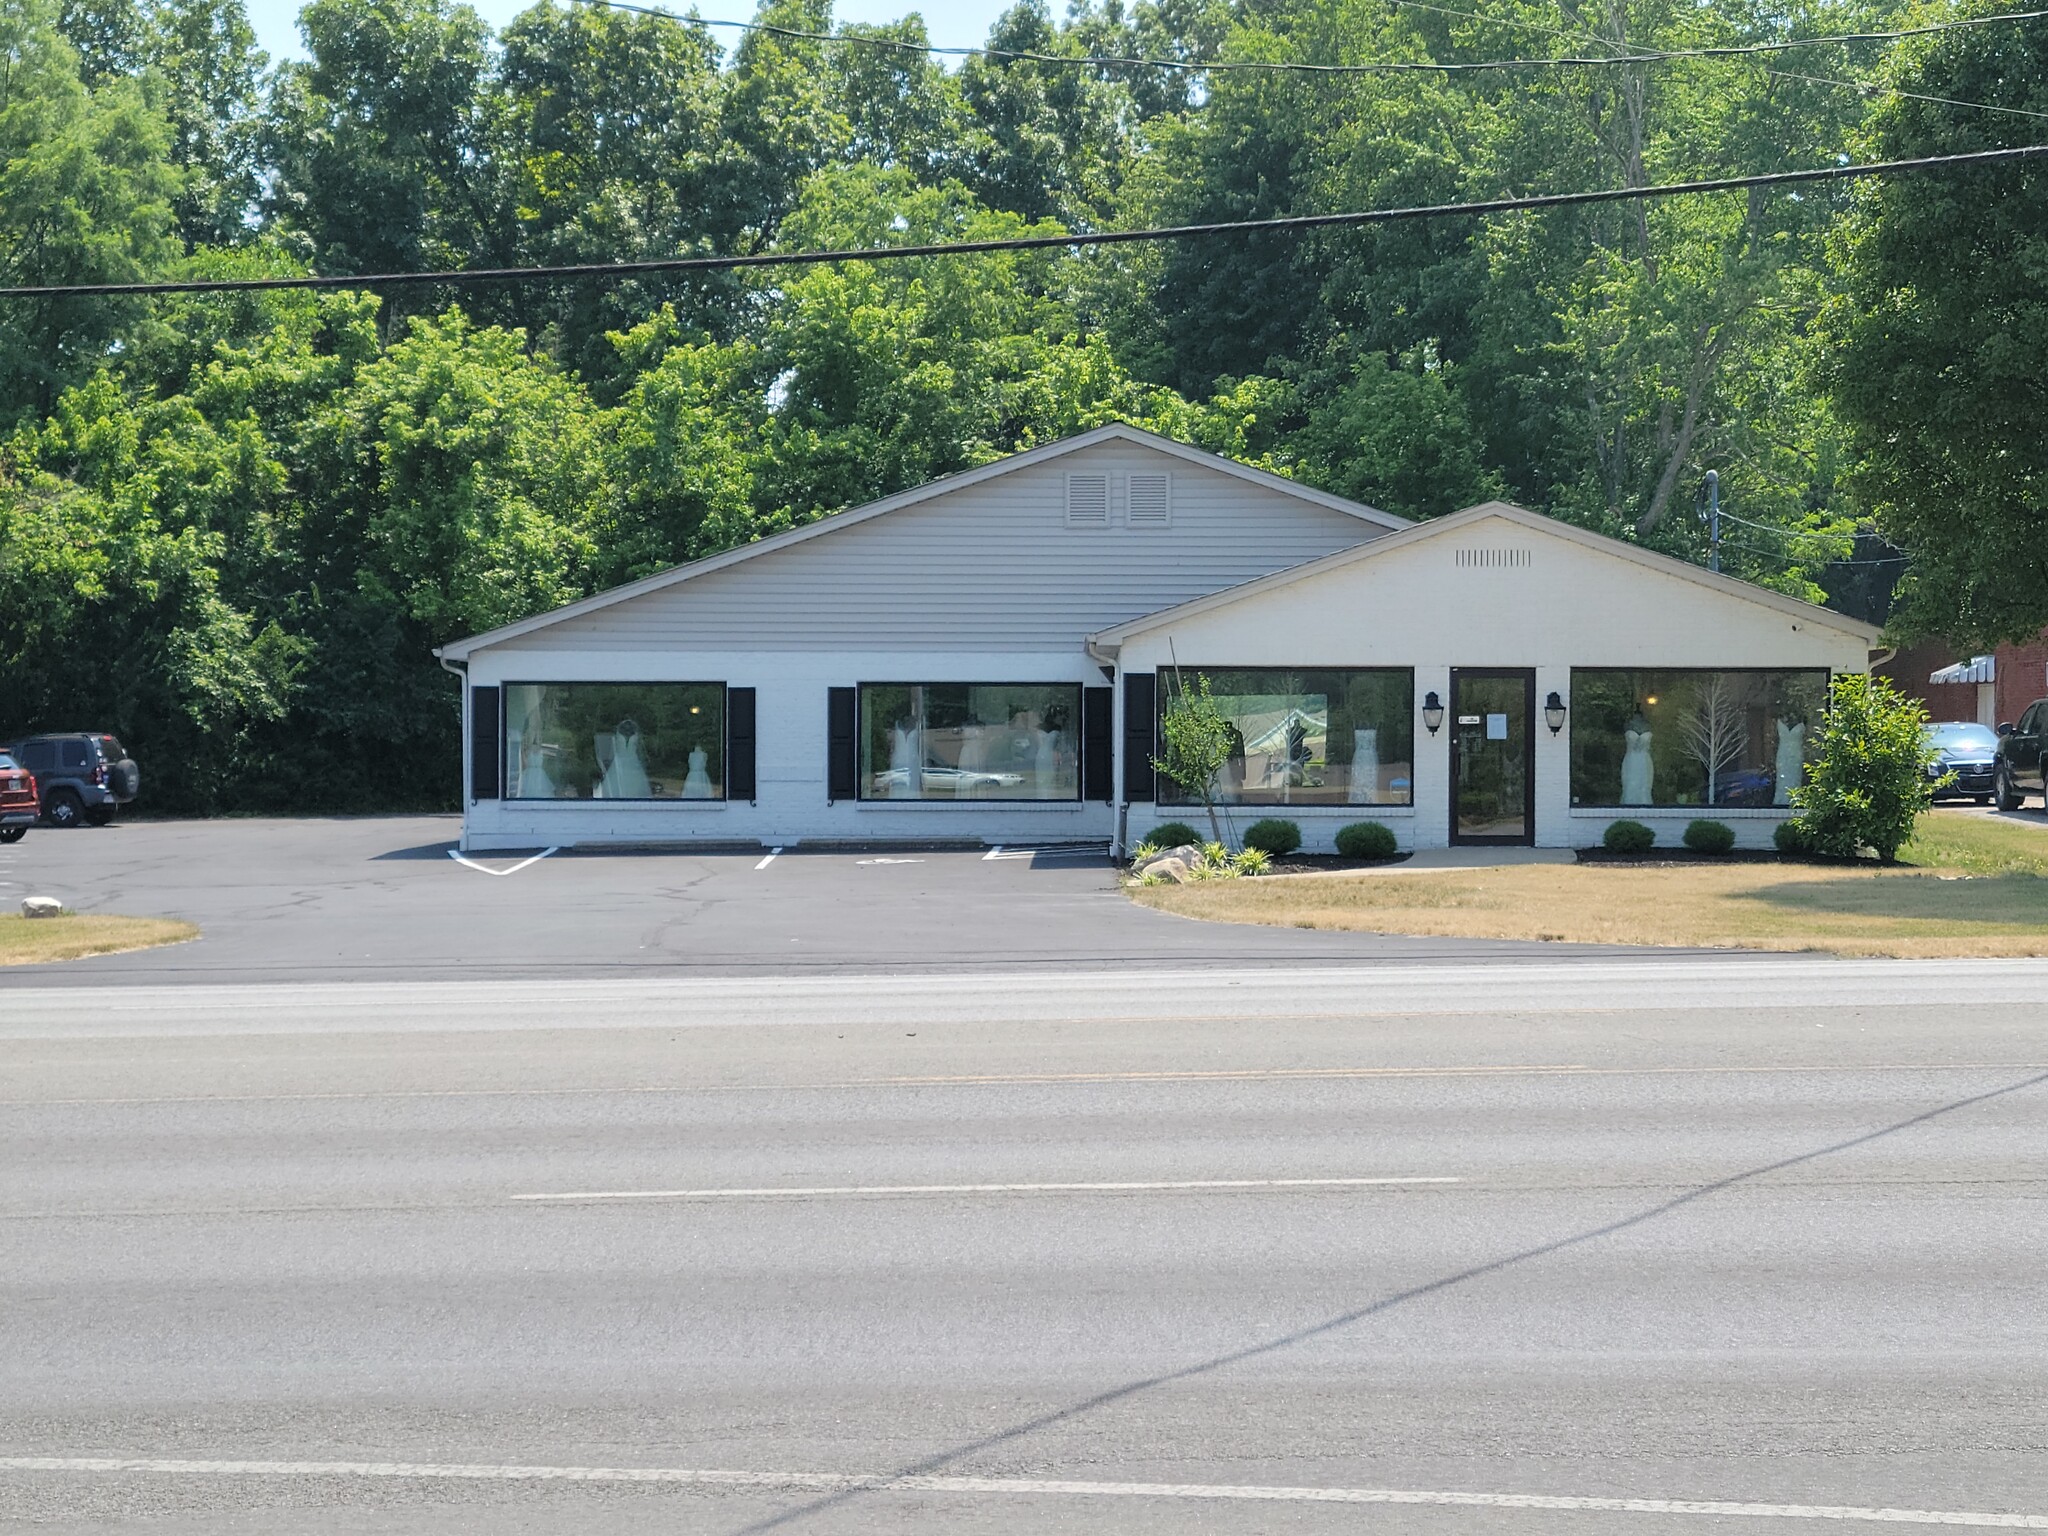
1827	675
1167	793
862	794
505	714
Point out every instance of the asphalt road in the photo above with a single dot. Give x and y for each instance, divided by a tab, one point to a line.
379	898
1715	1247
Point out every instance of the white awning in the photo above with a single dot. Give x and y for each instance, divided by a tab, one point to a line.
1978	669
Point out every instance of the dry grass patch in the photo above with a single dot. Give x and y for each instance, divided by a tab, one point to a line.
1847	911
32	941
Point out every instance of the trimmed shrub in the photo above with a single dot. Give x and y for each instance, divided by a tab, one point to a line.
1709	836
1173	834
1868	783
1790	836
1366	840
1628	837
1273	836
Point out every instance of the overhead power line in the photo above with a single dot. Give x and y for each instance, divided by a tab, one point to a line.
684	264
1284	66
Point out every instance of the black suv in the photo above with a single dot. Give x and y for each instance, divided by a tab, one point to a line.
2019	766
83	776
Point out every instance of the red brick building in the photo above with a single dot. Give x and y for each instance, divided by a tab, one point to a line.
1989	688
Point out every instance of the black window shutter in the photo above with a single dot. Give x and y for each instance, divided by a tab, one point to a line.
486	758
739	744
1141	703
1098	767
841	777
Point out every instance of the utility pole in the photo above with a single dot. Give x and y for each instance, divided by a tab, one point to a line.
1713	521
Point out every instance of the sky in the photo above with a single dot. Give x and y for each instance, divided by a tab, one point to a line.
951	23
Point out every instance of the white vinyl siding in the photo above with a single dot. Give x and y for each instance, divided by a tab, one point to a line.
993	567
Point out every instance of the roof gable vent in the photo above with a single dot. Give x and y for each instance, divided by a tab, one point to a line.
1150	503
1088	501
1495	559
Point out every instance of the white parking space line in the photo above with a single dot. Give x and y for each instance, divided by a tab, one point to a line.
856	1190
770	859
888	861
993	853
486	869
834	1482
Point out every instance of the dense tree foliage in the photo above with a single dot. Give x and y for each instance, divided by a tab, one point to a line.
232	528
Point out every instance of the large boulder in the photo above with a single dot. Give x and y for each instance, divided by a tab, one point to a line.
1187	855
41	906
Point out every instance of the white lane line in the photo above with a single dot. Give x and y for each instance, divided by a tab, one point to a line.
976	1189
832	1482
770	859
993	853
530	859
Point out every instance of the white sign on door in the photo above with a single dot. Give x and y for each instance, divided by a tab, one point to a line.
1496	727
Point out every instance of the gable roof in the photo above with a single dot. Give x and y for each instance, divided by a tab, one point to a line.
459	650
1104	641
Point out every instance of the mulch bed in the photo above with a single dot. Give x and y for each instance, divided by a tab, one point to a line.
1330	863
1686	856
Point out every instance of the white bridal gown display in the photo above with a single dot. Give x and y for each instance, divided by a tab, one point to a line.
902	747
1635	763
697	784
1791	759
1048	762
626	778
1365	767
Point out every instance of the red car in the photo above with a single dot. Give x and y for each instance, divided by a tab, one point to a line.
19	803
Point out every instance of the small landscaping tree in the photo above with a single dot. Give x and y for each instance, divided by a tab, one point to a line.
1197	744
1868	784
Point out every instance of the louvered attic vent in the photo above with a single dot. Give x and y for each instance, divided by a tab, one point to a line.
1151	499
1088	501
1493	559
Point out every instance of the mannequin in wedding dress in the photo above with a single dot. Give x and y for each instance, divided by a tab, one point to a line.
1635	763
530	780
697	783
905	780
1791	760
1365	767
1047	762
626	778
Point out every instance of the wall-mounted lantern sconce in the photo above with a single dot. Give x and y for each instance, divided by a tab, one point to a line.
1432	712
1553	712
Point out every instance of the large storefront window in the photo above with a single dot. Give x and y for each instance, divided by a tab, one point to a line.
615	741
1323	737
1692	738
970	741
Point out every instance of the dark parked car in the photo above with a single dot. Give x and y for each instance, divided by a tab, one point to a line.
1967	750
17	800
2018	769
81	775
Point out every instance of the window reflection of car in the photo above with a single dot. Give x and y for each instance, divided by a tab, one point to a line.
953	779
1745	786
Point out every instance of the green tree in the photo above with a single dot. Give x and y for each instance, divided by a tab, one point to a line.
84	197
208	72
376	140
1934	358
1198	742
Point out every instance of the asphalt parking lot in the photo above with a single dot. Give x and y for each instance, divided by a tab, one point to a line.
380	898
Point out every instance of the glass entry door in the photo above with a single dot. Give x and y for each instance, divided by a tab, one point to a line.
1493	779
